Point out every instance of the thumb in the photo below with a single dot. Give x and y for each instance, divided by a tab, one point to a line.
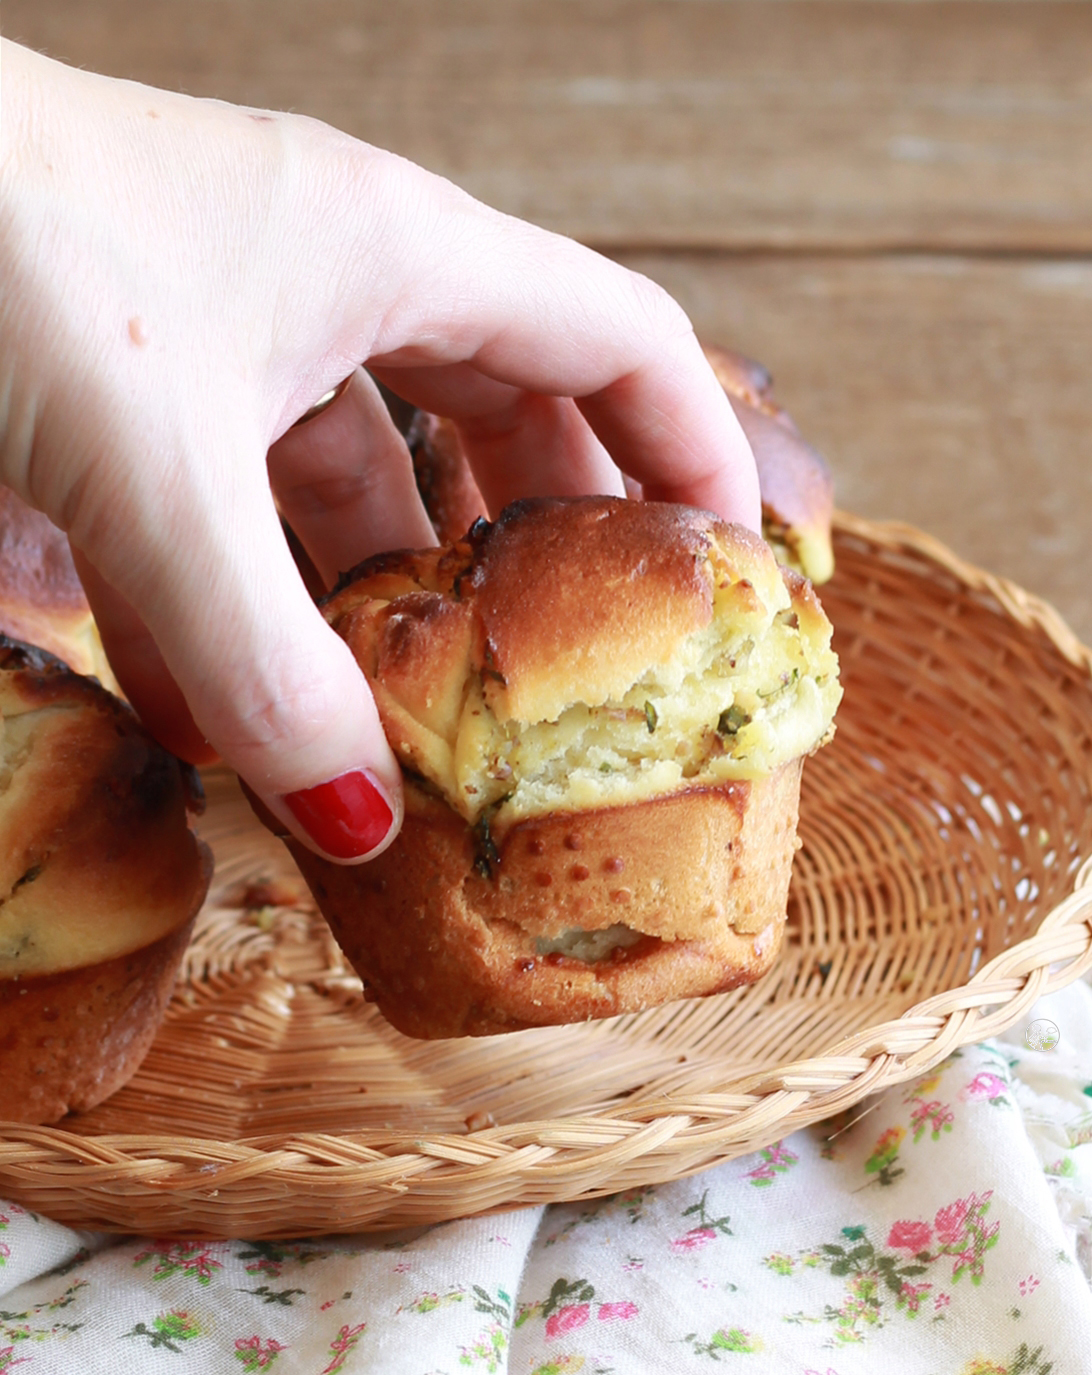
270	686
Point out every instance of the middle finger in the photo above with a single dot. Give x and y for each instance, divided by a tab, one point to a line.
518	443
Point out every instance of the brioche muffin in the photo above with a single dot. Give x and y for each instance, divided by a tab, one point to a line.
41	600
601	708
796	484
100	880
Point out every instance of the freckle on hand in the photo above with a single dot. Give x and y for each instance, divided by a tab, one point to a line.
137	333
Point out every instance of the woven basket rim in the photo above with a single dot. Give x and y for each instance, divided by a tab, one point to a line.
754	1110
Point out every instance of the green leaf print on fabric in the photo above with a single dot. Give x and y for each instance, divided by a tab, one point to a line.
487	1350
958	1234
560	1365
933	1117
270	1257
429	1301
631	1202
5	1222
775	1160
194	1259
341	1346
883	1162
17	1326
499	1307
1023	1361
570	1304
928	1116
267	1295
580	1292
781	1263
725	1339
257	1353
168	1329
705	1230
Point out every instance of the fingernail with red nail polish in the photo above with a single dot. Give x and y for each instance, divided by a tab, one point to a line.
347	817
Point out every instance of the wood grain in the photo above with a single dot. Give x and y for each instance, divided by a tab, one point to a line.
950	392
726	123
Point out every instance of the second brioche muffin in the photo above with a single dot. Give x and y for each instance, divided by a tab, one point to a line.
100	880
41	600
601	708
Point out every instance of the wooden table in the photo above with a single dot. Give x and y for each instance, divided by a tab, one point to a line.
890	204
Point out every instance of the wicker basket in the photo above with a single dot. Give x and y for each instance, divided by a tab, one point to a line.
939	893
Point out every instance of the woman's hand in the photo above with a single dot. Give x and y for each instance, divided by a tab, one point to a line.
182	279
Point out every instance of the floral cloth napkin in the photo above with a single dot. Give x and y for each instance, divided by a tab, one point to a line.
945	1231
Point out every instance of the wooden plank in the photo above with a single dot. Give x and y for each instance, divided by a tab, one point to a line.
952	393
731	123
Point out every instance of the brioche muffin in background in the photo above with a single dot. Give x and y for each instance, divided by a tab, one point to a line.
796	484
41	600
100	878
601	708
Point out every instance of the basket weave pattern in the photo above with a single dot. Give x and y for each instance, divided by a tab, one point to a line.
939	892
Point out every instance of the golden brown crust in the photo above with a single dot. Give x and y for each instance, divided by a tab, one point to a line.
41	599
794	479
69	1040
444	479
589	652
602	708
572	600
96	856
451	942
100	879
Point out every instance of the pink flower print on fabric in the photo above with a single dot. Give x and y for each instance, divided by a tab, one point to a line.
933	1117
9	1360
257	1354
885	1150
775	1160
1029	1285
964	1234
341	1345
984	1087
911	1295
910	1236
608	1312
942	1301
567	1319
705	1229
194	1259
949	1221
694	1240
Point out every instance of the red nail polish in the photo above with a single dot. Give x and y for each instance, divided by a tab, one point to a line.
346	817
